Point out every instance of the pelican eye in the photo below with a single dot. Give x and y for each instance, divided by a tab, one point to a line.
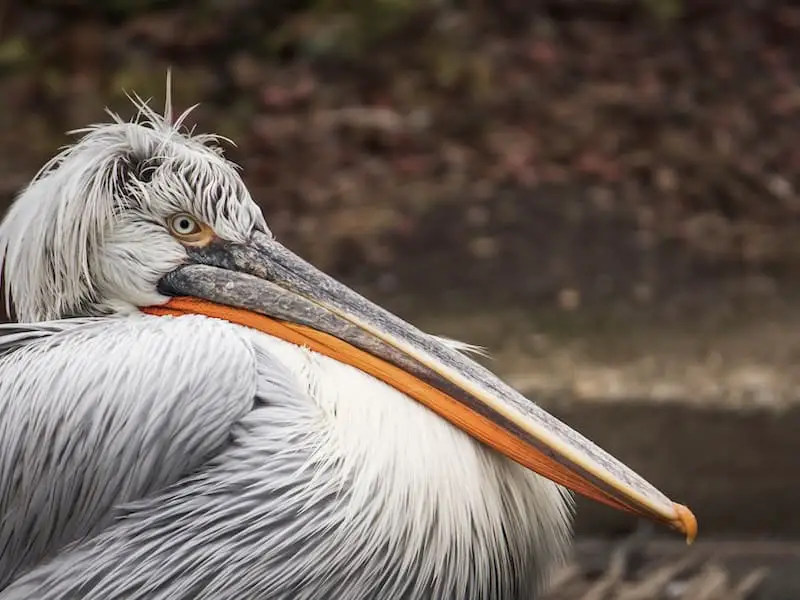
189	230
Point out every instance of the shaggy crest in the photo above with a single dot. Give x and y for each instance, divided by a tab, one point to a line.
149	166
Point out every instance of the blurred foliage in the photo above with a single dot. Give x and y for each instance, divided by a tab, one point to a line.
368	19
665	10
14	51
349	27
361	122
344	28
111	9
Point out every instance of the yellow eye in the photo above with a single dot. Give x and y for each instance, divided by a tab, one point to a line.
189	230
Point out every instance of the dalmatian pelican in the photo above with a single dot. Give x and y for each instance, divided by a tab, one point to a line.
189	410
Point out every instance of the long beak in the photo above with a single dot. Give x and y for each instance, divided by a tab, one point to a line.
265	286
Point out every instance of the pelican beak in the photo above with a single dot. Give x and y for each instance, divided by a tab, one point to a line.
263	285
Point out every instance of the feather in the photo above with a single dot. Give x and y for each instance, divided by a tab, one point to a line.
105	411
317	495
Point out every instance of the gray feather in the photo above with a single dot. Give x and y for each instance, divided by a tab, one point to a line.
104	412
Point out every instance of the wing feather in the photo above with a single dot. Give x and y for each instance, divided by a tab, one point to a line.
232	529
97	413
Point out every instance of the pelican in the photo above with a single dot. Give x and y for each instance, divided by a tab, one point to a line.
189	410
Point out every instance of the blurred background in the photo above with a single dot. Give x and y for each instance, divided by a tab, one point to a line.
604	193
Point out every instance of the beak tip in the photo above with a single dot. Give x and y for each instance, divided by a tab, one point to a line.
685	522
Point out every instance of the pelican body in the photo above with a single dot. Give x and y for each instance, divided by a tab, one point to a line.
188	410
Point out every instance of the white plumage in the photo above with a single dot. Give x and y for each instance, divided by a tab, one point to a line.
132	404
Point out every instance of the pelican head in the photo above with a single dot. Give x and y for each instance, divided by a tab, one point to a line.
142	216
